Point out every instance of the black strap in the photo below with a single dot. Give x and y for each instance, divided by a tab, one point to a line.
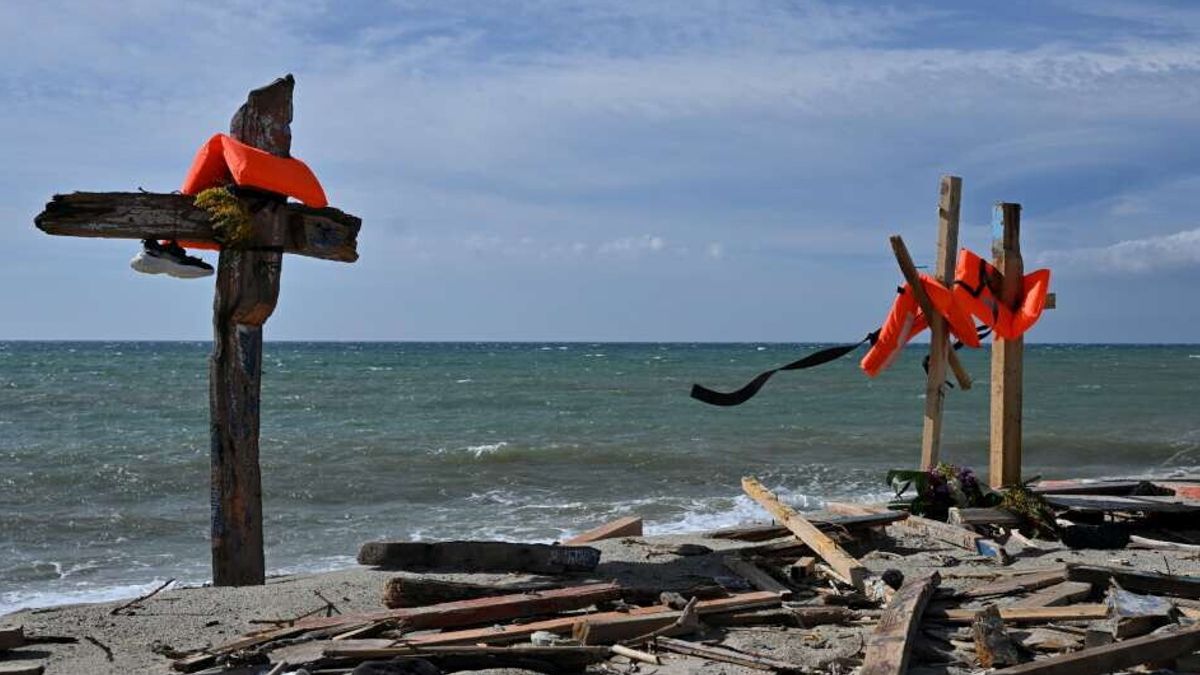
751	388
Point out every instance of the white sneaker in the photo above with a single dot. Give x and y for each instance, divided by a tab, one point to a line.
170	259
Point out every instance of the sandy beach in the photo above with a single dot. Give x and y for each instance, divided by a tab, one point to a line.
186	619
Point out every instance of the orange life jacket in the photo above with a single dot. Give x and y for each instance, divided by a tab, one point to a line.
224	160
906	320
973	294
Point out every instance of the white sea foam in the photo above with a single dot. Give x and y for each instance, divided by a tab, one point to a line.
18	600
487	448
463	381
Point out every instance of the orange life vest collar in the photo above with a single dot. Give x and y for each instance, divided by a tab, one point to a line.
224	160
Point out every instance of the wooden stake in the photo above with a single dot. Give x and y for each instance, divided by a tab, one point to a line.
1007	371
246	292
939	342
909	269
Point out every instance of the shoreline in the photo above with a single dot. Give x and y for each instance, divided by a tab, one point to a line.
182	619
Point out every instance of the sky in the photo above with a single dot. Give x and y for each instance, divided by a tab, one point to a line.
688	170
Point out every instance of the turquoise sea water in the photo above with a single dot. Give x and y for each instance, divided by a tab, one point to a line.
104	446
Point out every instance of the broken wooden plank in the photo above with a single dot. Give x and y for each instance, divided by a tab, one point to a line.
721	655
887	650
630	526
328	234
1131	580
934	529
846	566
636	655
606	630
964	517
518	633
1089	612
798	617
1117	504
1057	595
993	646
458	658
1136	541
11	637
479	556
757	577
1021	584
1113	657
763	532
418	591
446	615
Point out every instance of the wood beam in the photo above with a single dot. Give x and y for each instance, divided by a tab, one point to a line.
887	650
939	342
247	289
909	269
1004	466
328	233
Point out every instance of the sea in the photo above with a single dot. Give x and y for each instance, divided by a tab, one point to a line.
104	450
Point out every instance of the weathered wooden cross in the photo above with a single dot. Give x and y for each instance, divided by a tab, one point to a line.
247	287
1004	466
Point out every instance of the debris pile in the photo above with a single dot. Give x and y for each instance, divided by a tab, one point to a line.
861	589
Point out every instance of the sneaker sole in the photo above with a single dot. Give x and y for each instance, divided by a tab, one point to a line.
147	264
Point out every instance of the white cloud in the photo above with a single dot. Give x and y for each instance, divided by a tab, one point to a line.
1150	254
628	247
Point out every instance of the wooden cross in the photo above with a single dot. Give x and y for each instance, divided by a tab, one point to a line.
247	287
1004	464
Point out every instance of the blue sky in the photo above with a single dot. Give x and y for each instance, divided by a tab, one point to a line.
691	170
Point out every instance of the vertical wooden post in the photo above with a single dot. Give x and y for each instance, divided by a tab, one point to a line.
939	342
1005	457
246	292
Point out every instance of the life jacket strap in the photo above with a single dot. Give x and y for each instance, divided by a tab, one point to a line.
747	392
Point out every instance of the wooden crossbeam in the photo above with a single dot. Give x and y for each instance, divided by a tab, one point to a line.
328	233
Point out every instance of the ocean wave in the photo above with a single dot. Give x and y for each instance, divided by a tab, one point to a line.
13	601
487	448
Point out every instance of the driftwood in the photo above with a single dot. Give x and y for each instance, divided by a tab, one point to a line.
993	646
140	598
479	556
933	529
721	655
888	649
415	591
636	628
624	527
1113	657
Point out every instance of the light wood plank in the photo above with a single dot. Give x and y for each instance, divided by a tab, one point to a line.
1057	595
939	342
630	526
1004	465
842	562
